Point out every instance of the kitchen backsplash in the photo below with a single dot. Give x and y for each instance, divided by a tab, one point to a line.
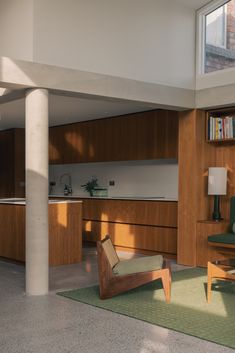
133	178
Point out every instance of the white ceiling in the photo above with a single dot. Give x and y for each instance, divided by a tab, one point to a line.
64	110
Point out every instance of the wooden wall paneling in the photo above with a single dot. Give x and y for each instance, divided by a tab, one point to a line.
193	204
162	213
205	252
187	214
158	239
206	157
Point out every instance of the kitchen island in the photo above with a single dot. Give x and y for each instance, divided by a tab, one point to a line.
65	230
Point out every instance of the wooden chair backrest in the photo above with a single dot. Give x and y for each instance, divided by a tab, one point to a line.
109	251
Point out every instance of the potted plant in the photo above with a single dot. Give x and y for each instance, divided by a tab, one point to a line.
90	185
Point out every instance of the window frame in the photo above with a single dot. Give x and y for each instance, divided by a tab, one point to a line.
201	33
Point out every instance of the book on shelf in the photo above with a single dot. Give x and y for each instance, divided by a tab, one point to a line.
221	128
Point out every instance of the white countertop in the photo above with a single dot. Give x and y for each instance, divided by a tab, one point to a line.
135	198
19	201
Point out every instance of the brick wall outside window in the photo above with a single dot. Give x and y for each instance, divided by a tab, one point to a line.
217	58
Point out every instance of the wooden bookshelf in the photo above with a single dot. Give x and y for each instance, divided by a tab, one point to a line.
221	114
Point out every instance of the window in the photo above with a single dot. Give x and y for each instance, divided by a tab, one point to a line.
216	33
217	44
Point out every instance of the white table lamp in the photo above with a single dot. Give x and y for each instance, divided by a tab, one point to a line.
217	185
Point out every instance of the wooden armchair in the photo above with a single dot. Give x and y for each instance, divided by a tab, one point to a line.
117	276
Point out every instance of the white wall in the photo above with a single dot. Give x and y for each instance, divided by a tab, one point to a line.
16	29
135	178
151	40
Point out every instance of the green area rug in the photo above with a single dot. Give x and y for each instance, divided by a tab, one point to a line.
188	311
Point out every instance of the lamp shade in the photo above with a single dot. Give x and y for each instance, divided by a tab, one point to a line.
217	181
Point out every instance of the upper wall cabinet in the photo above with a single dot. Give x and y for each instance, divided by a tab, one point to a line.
148	135
12	171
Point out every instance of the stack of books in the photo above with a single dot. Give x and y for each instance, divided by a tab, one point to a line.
220	128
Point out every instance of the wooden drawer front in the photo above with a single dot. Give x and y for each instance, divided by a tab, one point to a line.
133	236
131	212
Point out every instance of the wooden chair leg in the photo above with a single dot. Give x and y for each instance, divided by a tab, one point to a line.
166	282
209	281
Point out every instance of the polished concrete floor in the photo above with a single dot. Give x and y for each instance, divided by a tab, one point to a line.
53	324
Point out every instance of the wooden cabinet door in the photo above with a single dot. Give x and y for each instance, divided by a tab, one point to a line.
65	144
7	163
166	135
148	135
12	171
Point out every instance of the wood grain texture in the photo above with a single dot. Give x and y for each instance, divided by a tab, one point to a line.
7	169
224	157
195	156
65	232
159	213
147	135
217	272
111	285
204	251
12	171
154	239
12	236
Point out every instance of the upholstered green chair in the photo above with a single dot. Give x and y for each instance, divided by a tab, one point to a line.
226	239
117	276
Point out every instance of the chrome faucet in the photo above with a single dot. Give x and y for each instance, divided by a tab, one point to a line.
67	181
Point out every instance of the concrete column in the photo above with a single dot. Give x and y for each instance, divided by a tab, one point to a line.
37	266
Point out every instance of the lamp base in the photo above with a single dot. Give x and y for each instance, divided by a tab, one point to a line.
216	215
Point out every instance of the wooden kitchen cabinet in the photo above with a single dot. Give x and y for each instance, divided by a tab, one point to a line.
133	225
12	155
147	135
65	232
157	213
132	237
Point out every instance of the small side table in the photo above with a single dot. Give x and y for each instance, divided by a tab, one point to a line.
220	269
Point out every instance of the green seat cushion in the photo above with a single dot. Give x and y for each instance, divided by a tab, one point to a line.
142	264
233	227
226	238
